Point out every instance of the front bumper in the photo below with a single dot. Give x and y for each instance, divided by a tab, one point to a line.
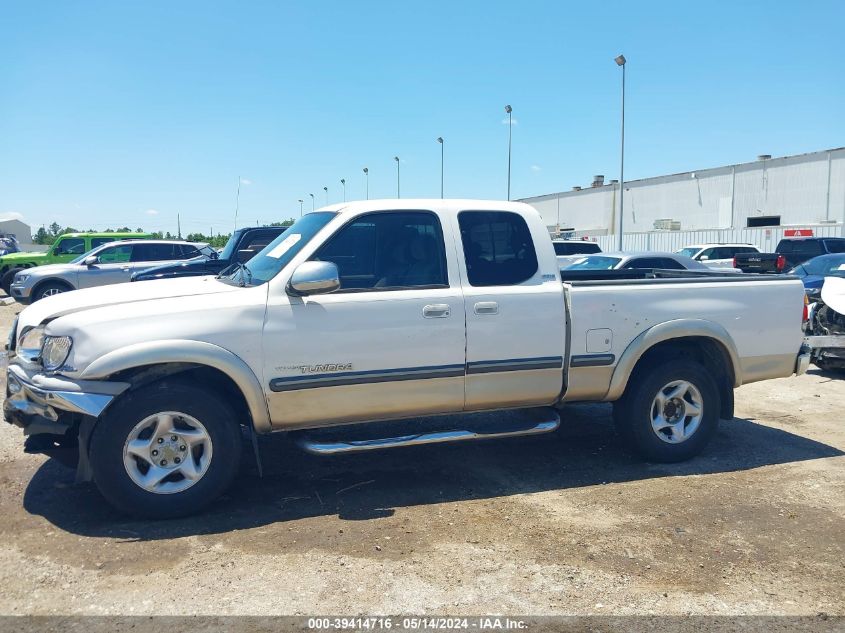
37	403
21	293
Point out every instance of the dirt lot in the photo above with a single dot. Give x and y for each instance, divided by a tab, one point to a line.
562	524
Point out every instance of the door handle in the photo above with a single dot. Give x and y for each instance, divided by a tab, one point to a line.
437	311
487	307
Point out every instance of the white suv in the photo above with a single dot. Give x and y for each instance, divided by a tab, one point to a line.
717	255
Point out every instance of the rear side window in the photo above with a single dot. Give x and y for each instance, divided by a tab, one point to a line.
653	262
152	252
99	241
835	246
809	248
497	247
388	251
575	248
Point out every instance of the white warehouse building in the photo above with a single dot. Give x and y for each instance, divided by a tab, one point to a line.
755	202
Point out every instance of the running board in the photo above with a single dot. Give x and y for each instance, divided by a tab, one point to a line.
320	444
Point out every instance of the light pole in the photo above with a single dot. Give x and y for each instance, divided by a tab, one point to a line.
396	158
326	189
509	111
300	208
440	140
620	61
367	182
312	200
343	182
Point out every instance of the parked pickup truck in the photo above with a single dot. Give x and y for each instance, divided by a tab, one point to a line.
791	252
66	247
380	324
241	246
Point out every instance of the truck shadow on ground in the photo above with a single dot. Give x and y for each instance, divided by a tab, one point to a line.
296	485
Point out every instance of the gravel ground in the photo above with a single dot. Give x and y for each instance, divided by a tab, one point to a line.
567	523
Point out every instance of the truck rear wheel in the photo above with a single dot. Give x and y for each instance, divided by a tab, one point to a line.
669	412
165	450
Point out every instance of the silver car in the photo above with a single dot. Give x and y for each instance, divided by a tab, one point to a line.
110	263
630	260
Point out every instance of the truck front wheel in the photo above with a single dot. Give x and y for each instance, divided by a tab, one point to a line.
165	450
669	412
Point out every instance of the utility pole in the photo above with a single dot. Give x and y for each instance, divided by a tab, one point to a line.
179	226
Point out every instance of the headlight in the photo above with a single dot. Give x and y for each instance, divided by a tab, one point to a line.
55	351
19	278
31	339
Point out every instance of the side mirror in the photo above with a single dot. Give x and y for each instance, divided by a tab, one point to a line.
214	255
91	260
314	278
704	258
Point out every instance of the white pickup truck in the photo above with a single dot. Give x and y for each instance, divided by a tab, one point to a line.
385	323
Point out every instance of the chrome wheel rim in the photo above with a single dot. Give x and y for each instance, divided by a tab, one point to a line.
676	412
167	452
52	291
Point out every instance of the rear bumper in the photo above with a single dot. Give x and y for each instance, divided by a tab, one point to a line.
36	402
825	342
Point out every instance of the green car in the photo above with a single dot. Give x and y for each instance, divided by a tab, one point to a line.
65	248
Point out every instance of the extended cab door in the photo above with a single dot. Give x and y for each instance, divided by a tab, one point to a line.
389	343
515	311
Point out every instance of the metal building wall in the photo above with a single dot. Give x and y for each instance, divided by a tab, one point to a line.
765	238
803	189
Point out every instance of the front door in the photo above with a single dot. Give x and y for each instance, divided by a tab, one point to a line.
515	314
389	343
114	265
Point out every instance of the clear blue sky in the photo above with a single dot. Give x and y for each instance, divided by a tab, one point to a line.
116	113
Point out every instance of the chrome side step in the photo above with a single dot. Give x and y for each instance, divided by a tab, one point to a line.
316	445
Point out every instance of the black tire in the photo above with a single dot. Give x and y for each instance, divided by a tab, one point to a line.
8	278
48	289
633	413
106	451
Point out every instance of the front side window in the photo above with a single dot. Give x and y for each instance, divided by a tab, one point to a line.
709	253
99	241
115	255
497	247
70	246
388	251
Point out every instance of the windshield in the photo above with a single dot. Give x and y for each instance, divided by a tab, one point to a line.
595	262
229	249
689	251
823	265
276	255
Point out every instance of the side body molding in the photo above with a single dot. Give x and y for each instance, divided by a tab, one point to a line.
668	330
185	351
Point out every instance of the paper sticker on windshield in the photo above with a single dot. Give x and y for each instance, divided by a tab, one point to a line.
284	246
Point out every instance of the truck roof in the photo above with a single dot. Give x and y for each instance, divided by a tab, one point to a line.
427	204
